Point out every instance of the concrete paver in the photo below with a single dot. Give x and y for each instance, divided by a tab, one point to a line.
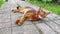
5	31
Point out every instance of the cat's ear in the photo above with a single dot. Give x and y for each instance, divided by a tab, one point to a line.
47	13
40	9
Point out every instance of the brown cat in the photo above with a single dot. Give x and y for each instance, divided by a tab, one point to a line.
30	14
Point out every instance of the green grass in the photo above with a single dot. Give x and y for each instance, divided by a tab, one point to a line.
1	2
51	7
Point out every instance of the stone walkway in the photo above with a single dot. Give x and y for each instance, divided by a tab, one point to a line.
49	25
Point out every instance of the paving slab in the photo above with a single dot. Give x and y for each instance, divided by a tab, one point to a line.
43	28
5	24
57	21
55	27
4	17
25	29
5	31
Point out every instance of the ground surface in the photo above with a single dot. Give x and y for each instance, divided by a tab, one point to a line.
49	25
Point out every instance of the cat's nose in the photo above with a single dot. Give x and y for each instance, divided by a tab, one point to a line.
12	10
